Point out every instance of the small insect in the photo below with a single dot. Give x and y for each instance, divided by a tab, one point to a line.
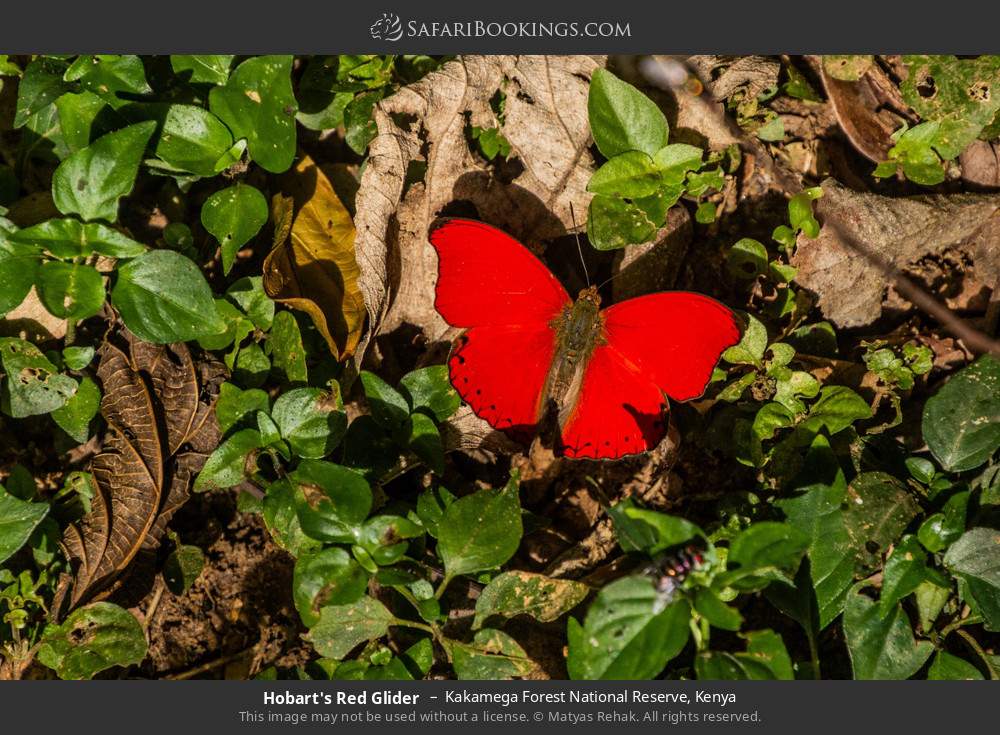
669	571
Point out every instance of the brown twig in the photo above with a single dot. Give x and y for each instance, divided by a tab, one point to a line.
209	666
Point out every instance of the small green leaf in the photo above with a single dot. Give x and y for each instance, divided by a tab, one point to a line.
69	238
93	638
248	293
622	118
182	568
631	175
18	268
622	637
31	385
91	181
342	627
233	404
226	466
946	667
524	593
311	420
284	345
70	290
334	501
715	611
747	259
40	86
108	74
750	349
323	578
77	357
75	415
905	570
233	216
493	655
388	407
613	223
975	557
202	69
961	422
257	103
878	509
281	517
18	519
881	647
163	297
480	531
193	139
429	389
425	442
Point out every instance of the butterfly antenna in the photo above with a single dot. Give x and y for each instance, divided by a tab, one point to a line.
579	248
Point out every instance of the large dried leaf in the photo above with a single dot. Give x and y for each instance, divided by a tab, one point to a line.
155	403
900	231
423	128
315	270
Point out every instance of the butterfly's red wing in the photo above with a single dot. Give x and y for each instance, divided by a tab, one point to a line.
664	343
507	299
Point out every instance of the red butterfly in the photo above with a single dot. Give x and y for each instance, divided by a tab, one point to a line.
530	354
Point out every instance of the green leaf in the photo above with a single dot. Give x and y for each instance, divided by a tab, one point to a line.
233	216
18	268
233	404
70	290
429	389
18	519
257	103
493	655
284	345
905	570
836	409
323	578
939	530
31	386
311	420
193	139
226	466
388	406
75	415
751	347
766	658
91	181
613	223
747	259
182	568
961	422
715	611
40	86
281	517
881	647
78	118
77	357
248	293
163	297
342	627
761	551
384	537
631	175
93	638
359	120
69	238
622	118
204	68
108	74
334	501
946	667
524	593
622	638
480	531
878	509
975	557
664	531
425	442
816	512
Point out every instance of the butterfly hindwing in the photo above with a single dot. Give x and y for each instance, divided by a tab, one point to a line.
507	300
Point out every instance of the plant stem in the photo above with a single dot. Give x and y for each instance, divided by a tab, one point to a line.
70	332
974	645
443	586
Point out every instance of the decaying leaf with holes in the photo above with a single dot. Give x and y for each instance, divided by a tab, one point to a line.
312	266
898	230
159	408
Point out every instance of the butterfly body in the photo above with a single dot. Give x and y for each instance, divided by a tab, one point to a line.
531	360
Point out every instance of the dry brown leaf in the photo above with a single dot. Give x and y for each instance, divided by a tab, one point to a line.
314	269
155	403
545	121
859	111
981	164
848	285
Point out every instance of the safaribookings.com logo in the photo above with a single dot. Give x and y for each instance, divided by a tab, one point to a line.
390	28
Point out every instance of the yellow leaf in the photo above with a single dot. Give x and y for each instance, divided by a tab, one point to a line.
315	270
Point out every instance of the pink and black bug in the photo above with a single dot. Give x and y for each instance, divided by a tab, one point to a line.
669	572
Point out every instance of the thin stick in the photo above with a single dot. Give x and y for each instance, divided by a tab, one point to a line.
579	249
211	665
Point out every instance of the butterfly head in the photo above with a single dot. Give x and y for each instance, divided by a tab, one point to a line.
590	295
